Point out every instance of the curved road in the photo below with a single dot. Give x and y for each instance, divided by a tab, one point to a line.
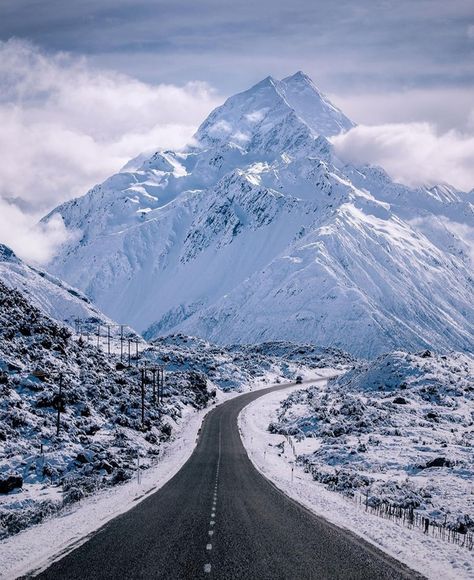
219	518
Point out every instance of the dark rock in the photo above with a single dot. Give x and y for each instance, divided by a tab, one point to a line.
400	401
437	462
10	482
121	475
106	466
81	458
86	456
73	495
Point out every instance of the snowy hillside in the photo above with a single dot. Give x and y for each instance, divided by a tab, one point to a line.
241	367
257	232
101	427
400	429
46	292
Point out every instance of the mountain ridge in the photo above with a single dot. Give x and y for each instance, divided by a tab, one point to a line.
184	241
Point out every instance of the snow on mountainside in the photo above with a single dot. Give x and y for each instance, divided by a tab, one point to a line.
46	292
258	232
273	115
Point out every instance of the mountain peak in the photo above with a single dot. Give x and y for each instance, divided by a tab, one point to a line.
298	76
267	81
265	106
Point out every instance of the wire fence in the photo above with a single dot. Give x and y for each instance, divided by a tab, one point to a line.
410	518
458	534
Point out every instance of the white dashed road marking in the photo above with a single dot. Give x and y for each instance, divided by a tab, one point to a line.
207	567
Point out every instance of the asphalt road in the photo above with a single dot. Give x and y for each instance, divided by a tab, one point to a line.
218	518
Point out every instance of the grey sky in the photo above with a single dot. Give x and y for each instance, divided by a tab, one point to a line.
368	45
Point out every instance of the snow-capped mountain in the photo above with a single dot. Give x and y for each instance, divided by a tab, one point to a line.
258	232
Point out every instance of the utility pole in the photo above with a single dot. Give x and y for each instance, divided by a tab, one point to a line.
143	377
136	349
121	342
129	356
60	400
153	372
162	372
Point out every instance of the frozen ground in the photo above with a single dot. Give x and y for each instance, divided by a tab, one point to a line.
398	430
273	456
102	435
101	428
242	367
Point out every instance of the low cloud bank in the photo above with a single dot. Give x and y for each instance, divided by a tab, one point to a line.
32	241
413	153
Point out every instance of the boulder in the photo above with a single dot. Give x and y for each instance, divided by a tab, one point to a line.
10	482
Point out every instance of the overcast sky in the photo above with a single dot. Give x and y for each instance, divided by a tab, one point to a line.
348	47
86	85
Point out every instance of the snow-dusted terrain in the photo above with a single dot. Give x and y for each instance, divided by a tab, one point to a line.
398	432
259	232
101	428
48	293
243	367
101	431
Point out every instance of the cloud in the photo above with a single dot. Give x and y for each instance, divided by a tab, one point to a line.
32	241
413	153
66	126
445	107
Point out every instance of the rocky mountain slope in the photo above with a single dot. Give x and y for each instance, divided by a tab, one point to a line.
259	232
101	428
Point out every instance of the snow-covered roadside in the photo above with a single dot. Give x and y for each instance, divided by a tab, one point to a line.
432	557
38	546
